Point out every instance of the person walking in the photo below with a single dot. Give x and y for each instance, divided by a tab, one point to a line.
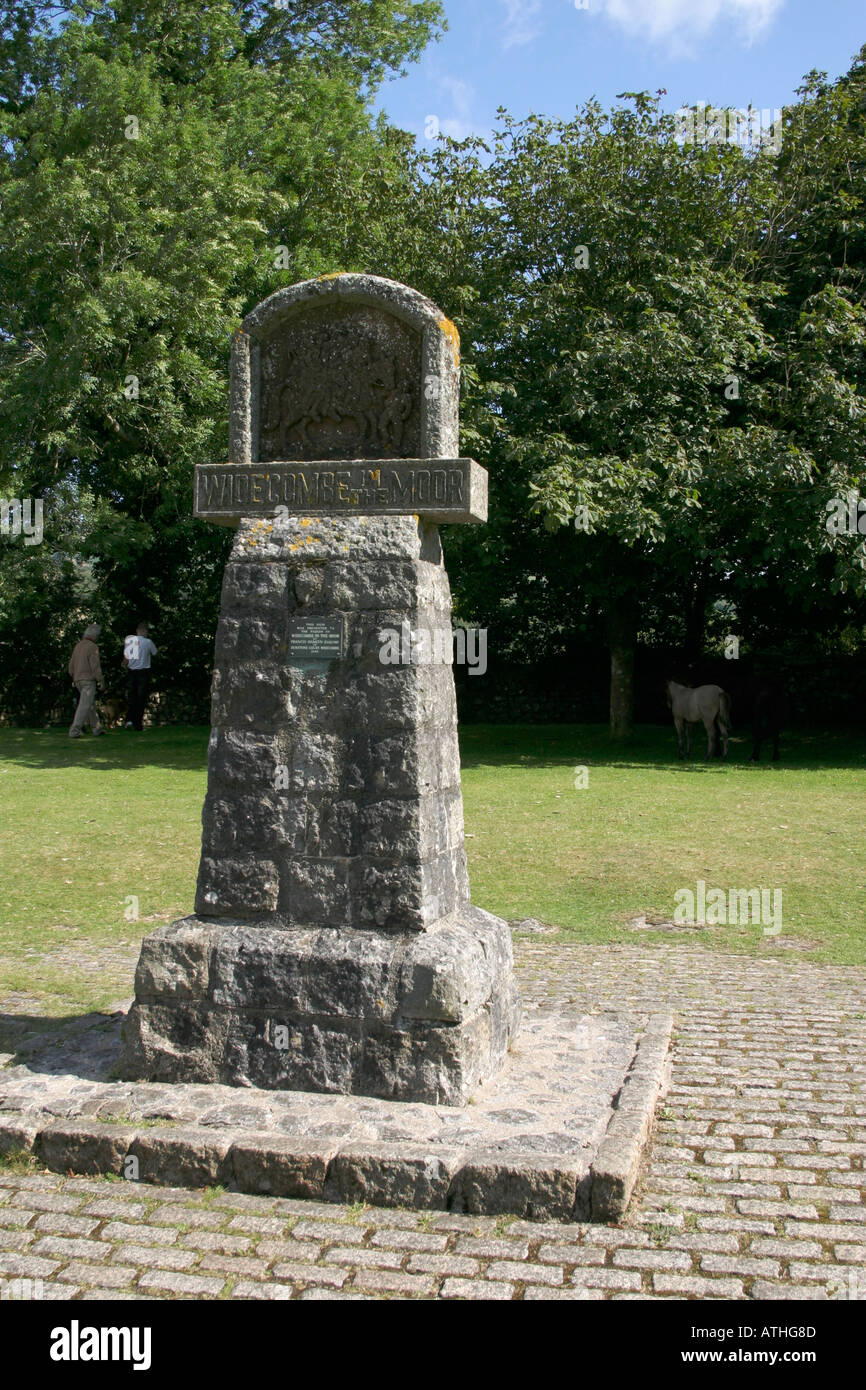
86	673
137	652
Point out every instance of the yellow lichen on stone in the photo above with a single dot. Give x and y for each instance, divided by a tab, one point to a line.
305	521
450	331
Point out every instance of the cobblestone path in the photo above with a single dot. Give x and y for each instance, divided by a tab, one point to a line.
754	1186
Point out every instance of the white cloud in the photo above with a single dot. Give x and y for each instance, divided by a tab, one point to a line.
680	23
521	22
459	124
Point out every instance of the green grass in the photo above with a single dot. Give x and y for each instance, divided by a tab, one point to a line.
86	826
647	825
18	1161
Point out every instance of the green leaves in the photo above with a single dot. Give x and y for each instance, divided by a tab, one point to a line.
153	157
663	362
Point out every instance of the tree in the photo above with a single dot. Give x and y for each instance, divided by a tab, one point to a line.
164	167
640	376
612	302
799	447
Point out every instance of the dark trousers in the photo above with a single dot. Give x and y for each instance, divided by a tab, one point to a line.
139	688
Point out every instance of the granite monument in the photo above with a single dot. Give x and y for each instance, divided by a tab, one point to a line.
334	946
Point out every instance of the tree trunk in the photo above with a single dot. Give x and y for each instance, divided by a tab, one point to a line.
696	616
621	631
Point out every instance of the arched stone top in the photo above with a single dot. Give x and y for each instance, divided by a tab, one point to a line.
344	365
404	303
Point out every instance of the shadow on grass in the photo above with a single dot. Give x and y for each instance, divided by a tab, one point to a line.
651	747
493	745
183	748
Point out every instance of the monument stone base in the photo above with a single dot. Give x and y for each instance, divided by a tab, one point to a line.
423	1015
558	1135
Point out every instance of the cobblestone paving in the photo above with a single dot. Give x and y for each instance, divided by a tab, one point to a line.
754	1186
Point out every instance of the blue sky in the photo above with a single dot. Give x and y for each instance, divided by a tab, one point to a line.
549	56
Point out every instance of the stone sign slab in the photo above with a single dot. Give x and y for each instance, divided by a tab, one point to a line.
341	381
345	366
437	489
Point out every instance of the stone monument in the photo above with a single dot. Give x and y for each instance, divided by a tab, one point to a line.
334	946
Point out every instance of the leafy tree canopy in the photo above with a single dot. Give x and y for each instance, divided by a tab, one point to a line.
163	167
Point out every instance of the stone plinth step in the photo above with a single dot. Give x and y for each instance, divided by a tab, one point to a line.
557	1135
422	1017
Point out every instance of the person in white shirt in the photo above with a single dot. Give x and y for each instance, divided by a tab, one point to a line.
137	651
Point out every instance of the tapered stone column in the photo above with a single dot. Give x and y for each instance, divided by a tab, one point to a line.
334	946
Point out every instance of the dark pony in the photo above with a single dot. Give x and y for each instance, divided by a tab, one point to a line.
757	699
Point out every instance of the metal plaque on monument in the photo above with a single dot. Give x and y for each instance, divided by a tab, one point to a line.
333	946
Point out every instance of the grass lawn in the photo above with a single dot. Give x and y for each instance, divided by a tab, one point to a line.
647	825
89	827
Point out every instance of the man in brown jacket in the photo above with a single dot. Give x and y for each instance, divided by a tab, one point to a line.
86	673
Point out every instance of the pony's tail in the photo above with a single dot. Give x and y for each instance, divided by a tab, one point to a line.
725	707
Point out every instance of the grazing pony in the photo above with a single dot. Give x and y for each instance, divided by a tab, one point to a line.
769	707
705	705
761	700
